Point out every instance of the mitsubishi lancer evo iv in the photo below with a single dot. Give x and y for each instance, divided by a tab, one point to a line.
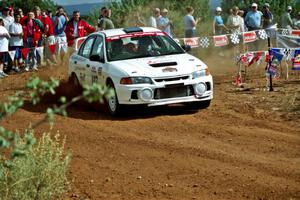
141	66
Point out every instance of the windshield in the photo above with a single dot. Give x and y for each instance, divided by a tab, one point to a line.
140	45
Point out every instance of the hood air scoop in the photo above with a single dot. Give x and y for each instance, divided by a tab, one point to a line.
165	64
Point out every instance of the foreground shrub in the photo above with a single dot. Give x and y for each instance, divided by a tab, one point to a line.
39	172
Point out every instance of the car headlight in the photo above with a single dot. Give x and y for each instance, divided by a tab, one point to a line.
135	80
200	73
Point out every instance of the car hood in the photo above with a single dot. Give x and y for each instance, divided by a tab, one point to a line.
171	65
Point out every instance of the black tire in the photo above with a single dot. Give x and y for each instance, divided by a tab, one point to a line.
112	103
74	81
199	104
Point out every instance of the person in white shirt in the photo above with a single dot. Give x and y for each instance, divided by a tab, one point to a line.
16	41
4	36
190	23
7	19
164	23
152	22
235	22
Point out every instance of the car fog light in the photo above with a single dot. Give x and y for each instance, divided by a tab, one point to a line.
200	89
146	94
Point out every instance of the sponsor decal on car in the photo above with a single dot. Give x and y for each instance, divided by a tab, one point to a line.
100	71
94	69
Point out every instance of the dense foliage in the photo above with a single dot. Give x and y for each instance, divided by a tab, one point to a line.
28	5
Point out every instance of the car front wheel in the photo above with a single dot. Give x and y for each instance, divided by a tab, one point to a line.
112	102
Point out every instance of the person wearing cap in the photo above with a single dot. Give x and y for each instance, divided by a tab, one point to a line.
190	23
286	20
297	22
164	23
7	19
218	23
152	21
235	22
253	18
267	16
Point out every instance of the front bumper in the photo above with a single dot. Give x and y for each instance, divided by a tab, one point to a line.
165	93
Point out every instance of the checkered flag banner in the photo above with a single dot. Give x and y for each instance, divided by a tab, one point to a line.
262	34
234	38
204	42
285	32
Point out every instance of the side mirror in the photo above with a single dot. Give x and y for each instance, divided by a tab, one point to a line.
187	48
96	58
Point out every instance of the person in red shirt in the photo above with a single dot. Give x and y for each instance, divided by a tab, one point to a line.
32	33
23	17
48	37
77	28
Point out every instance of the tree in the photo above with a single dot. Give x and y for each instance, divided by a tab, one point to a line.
28	5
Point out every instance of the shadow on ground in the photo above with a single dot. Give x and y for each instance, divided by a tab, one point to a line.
95	111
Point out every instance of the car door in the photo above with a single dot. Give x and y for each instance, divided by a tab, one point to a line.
84	62
97	61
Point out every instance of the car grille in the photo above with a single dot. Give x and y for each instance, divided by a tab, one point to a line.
173	91
172	79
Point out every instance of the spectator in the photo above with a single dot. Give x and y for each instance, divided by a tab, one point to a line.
32	33
164	23
297	22
218	24
267	16
253	18
38	20
37	13
16	42
77	27
101	15
241	13
60	23
190	23
23	17
235	22
139	21
286	20
48	37
4	36
7	19
152	22
105	22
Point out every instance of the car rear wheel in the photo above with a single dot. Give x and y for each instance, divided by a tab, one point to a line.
74	81
112	102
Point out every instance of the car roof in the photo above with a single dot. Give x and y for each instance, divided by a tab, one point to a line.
122	31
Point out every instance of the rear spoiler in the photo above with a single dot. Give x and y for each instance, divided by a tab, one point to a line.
78	42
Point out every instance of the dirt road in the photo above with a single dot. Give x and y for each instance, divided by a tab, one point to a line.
246	145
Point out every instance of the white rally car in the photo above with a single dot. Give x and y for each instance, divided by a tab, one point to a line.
142	66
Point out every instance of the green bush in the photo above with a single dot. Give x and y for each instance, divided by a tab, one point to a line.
30	170
40	173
